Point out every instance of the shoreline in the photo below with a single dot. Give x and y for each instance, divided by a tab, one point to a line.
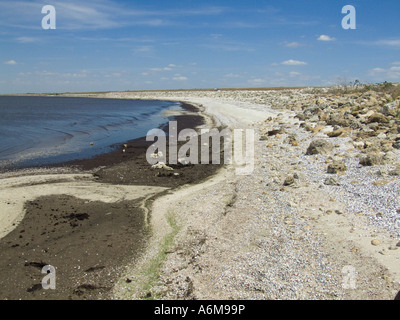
233	229
82	204
266	236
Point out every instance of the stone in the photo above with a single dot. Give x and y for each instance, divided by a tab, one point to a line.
391	108
319	146
376	242
390	157
331	181
288	181
337	132
358	144
395	172
161	165
396	145
378	117
336	167
371	160
337	119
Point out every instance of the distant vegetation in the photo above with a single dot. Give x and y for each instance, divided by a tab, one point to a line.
393	89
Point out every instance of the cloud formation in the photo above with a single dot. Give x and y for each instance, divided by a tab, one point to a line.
324	37
292	62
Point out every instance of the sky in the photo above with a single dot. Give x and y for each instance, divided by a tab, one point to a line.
108	45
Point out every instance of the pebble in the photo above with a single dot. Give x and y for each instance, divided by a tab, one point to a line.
376	242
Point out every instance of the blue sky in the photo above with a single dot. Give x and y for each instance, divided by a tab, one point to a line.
134	45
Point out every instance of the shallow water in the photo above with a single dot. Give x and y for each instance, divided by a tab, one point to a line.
47	130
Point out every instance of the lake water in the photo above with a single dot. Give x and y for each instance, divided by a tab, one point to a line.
46	130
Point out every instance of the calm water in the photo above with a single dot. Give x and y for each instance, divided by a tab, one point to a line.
45	130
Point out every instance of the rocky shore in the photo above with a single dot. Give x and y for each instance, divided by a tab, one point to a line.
317	219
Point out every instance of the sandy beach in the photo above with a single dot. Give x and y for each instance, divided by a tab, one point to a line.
310	222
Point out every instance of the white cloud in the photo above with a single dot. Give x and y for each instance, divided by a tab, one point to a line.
392	73
324	37
10	62
294	74
393	43
26	39
257	81
169	68
143	49
396	62
179	78
293	44
292	62
232	75
377	70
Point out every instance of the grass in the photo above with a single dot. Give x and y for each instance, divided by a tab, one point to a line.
152	272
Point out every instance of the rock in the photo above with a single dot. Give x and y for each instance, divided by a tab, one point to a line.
183	161
395	172
319	146
288	181
371	159
391	108
381	135
390	157
381	173
336	166
337	132
398	244
311	111
358	144
161	165
376	242
378	117
274	132
331	181
338	119
396	145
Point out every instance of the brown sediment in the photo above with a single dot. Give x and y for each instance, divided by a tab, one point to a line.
88	242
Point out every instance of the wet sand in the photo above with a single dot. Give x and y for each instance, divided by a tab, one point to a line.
88	224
